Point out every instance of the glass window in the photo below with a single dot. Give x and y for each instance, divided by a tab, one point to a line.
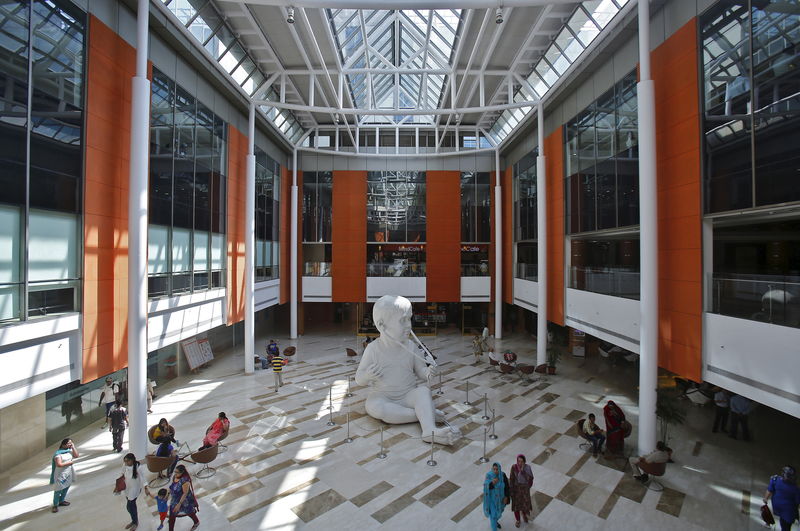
268	173
607	265
396	206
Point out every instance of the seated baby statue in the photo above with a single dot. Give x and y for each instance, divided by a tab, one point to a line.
391	366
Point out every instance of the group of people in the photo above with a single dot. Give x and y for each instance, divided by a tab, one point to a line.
617	428
737	407
499	490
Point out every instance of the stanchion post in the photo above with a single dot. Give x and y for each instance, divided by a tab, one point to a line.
440	391
467	402
349	393
348	439
485	407
382	455
431	462
330	397
493	436
483	458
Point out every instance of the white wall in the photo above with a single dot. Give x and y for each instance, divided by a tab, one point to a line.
317	289
612	319
176	318
39	355
476	289
412	288
526	294
267	293
758	360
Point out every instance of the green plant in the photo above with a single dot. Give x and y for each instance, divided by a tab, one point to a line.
553	357
670	411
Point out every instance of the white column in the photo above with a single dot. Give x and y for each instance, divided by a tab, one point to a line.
498	250
541	243
648	237
293	248
250	245
137	240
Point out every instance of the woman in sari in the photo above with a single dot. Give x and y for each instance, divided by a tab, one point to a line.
61	472
521	481
182	498
495	495
218	430
615	434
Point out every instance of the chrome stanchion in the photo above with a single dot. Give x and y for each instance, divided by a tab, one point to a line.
440	391
493	436
349	394
330	409
483	458
485	407
382	455
348	439
467	402
330	398
431	462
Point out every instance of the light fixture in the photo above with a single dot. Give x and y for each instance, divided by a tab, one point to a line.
290	15
498	15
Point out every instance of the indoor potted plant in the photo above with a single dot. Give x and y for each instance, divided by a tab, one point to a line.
670	411
553	356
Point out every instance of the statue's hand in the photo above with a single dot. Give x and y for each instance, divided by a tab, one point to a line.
432	371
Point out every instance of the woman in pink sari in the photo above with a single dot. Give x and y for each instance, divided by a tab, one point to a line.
218	430
615	434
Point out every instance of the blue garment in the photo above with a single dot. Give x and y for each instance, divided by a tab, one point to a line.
740	405
785	498
162	504
493	495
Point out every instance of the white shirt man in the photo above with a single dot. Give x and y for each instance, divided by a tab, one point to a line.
108	394
659	455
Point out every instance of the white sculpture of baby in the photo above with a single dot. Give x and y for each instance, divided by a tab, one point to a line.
390	367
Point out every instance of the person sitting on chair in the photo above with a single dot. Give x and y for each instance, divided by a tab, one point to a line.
595	434
660	455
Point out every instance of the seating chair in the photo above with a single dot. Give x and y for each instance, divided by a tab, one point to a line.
222	447
654	470
288	352
351	354
150	435
158	465
204	457
587	445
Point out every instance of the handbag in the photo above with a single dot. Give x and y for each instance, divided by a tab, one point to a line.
766	515
119	485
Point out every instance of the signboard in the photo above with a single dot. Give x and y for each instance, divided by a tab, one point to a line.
197	351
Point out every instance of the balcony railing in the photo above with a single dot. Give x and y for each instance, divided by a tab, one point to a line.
474	270
395	270
528	271
617	282
317	269
765	298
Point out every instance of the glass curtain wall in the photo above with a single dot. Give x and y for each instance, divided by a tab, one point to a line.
186	233
41	157
525	212
476	232
751	104
396	223
268	182
317	215
602	193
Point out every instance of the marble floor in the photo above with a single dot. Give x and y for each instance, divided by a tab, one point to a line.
285	468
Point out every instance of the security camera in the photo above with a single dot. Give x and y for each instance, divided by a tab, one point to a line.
290	15
498	16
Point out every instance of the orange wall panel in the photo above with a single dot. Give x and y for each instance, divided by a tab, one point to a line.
443	250
506	182
237	168
349	236
110	68
675	73
554	153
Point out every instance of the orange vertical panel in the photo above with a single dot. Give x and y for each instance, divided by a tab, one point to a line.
349	236
237	168
443	250
554	153
111	65
680	283
507	179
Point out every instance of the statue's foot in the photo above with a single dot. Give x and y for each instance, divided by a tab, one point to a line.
444	435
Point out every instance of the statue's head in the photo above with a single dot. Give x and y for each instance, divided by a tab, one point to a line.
392	317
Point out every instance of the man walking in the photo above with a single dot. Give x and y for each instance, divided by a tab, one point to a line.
119	421
740	409
721	408
277	367
108	394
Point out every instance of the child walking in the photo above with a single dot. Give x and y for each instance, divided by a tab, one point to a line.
277	367
161	501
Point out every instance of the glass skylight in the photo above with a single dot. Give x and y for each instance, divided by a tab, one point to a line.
388	39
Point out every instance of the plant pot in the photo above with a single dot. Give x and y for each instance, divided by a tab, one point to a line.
541	369
551	370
